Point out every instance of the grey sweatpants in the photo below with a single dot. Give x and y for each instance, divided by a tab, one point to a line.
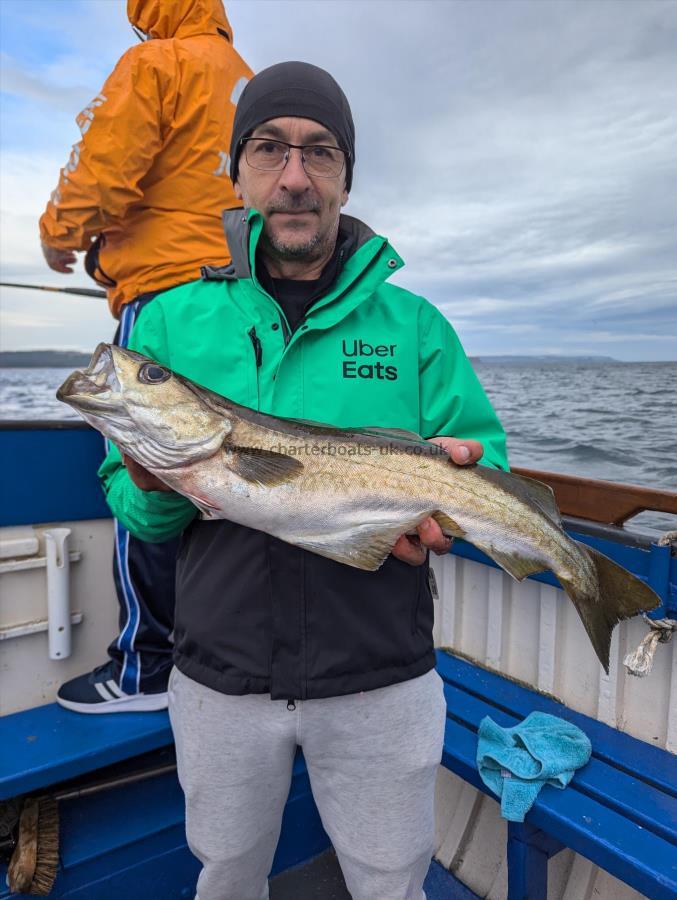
371	757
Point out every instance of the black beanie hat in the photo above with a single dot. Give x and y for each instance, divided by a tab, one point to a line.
294	89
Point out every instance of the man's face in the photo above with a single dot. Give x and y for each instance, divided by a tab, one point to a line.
301	212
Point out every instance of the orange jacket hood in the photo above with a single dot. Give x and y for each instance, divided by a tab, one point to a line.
178	18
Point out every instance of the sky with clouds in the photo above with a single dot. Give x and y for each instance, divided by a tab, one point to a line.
521	156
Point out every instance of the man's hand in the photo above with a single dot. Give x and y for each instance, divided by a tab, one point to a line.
413	549
59	260
141	477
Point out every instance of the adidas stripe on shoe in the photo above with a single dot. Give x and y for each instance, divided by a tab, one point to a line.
99	692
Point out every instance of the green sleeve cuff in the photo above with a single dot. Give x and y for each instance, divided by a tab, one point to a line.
152	516
453	401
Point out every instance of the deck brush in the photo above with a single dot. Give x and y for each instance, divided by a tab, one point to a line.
32	868
35	860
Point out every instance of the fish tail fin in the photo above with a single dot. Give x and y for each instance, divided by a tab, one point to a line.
621	595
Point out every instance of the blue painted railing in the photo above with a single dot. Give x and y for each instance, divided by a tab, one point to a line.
48	473
652	563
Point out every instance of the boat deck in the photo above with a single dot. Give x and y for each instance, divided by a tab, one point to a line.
321	879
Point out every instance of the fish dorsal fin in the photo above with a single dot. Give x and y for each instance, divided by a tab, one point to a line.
397	434
324	425
536	493
264	467
541	495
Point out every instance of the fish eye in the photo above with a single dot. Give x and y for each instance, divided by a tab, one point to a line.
152	374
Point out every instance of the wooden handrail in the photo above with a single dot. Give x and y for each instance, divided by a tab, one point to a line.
602	501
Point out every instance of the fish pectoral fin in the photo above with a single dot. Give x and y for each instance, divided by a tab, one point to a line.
265	467
515	564
365	547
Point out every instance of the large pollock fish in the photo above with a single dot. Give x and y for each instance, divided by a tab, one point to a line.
343	493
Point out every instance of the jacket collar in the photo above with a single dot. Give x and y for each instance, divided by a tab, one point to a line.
243	229
236	227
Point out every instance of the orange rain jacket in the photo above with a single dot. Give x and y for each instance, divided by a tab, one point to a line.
151	171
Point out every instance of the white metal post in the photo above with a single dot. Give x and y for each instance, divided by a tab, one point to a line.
58	594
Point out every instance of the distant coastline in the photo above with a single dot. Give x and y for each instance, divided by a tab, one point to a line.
539	359
71	359
43	359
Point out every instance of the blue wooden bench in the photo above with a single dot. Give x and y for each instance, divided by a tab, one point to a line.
620	811
130	841
48	744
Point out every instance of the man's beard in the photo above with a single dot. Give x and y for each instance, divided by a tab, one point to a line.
311	249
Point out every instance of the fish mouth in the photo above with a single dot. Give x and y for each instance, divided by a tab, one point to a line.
96	388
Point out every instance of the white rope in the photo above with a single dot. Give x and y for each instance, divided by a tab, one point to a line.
640	663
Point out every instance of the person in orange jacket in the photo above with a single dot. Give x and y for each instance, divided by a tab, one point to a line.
142	194
144	188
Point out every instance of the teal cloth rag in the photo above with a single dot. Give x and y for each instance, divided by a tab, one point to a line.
516	762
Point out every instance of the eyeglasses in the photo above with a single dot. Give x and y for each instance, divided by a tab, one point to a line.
272	156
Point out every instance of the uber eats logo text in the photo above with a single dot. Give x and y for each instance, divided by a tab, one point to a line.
367	360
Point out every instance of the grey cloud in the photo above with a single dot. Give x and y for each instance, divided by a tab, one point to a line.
522	156
19	83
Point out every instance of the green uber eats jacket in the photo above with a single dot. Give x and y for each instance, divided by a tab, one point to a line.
253	614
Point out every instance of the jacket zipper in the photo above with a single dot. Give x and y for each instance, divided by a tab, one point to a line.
286	337
291	705
258	357
424	580
286	333
256	344
417	599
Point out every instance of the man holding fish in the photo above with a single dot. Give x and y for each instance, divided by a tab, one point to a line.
278	646
304	612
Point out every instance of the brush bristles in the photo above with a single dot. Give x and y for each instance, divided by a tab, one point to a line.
48	848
